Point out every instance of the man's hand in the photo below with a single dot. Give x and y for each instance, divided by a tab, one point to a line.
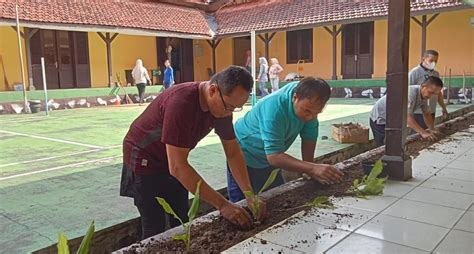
445	115
325	174
262	208
428	135
235	214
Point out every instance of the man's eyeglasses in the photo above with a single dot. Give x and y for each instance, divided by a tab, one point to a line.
228	107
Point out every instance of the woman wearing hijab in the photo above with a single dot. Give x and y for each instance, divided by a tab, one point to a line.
274	73
263	76
140	78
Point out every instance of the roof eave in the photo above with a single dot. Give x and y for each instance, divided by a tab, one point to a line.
339	22
104	29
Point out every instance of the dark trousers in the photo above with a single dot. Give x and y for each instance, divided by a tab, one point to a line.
153	217
379	133
141	91
421	121
258	177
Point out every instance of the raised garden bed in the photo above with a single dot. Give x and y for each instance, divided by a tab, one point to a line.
213	234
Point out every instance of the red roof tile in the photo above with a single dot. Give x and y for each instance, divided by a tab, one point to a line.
266	15
258	15
136	14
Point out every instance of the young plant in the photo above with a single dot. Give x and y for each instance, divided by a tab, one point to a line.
369	185
63	247
186	237
321	202
256	197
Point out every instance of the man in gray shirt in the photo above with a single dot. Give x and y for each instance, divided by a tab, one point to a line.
418	96
419	74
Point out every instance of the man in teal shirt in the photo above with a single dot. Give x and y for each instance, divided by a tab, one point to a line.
267	131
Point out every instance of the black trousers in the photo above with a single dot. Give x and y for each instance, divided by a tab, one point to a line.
144	189
379	133
141	91
421	121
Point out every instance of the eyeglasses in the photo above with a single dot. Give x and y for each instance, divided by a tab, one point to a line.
228	107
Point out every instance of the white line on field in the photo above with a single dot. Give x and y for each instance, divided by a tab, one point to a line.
51	139
57	168
59	156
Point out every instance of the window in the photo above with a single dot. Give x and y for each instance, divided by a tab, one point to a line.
299	46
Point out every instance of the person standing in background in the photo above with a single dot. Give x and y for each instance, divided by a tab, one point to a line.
263	76
168	78
140	78
274	73
248	63
419	75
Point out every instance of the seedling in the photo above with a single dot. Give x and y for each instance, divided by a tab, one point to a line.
186	237
321	202
63	247
256	204
369	185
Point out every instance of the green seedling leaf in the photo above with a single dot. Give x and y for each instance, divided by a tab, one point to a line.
168	208
321	202
86	241
370	185
181	237
195	204
269	181
376	170
249	194
63	247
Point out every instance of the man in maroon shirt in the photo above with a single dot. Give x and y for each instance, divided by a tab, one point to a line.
157	146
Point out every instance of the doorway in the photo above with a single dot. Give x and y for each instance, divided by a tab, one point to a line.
241	45
357	51
66	57
181	56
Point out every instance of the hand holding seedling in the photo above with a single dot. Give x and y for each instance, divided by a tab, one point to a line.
253	203
428	135
325	174
256	199
235	214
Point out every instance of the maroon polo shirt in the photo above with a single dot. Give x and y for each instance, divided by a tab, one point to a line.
175	117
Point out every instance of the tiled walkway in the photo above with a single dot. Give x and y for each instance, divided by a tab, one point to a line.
433	212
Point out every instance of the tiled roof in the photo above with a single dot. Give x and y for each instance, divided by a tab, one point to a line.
232	19
282	14
133	14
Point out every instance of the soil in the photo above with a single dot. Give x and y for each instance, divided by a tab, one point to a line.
349	126
219	235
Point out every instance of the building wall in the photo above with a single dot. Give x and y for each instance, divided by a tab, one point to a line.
125	50
451	34
10	57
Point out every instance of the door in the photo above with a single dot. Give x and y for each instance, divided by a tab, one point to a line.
50	59
187	60
181	56
241	45
357	50
66	57
64	61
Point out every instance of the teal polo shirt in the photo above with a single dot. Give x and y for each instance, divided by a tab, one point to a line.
271	127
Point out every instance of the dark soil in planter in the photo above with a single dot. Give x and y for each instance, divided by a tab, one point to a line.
220	235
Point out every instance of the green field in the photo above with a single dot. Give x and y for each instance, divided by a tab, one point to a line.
58	173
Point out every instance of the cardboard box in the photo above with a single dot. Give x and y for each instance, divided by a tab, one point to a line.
350	133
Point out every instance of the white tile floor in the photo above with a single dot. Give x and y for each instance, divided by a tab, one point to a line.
431	213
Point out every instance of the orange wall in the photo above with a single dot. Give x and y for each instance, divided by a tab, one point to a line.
10	58
125	50
450	34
